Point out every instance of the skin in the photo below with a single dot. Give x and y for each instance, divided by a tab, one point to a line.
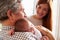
41	10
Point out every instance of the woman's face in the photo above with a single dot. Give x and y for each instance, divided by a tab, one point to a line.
42	10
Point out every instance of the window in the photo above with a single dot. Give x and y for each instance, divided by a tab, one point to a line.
28	6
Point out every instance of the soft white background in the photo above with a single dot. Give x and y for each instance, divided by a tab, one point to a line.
28	6
59	20
55	18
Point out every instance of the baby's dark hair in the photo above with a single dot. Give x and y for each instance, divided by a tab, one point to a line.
21	25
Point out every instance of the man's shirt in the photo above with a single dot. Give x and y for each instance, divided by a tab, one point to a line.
17	36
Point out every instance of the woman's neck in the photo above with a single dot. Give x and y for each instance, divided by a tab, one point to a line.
36	17
7	23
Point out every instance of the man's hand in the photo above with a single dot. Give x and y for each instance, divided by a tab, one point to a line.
11	32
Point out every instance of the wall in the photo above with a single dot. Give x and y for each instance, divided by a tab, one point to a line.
55	18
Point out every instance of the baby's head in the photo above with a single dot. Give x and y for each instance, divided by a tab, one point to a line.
22	25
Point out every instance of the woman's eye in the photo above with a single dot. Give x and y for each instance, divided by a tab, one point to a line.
45	9
39	7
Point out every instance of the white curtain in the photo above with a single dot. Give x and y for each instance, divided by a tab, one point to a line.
55	18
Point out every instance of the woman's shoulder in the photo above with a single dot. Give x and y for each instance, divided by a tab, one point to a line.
30	17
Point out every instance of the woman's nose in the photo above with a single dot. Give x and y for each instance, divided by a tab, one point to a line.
40	11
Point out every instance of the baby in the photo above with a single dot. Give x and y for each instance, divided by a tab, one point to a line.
22	25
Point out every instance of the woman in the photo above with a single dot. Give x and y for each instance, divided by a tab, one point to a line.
43	14
43	18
